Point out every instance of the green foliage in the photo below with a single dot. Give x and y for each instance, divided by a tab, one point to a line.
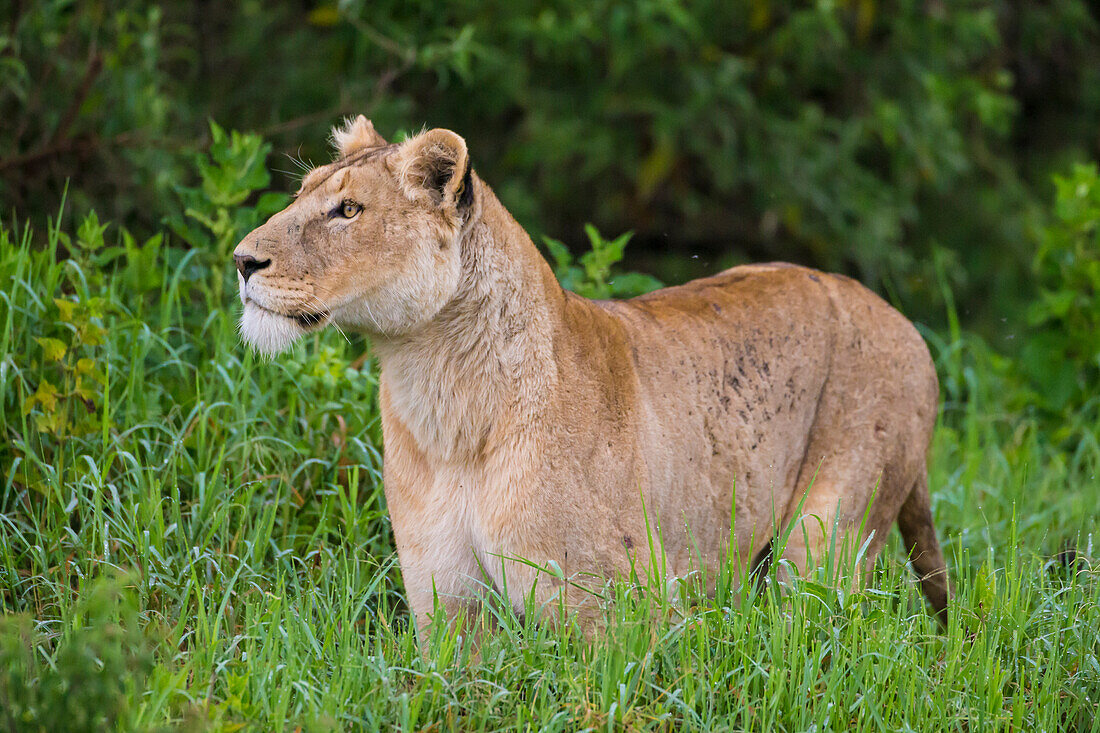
214	218
83	94
79	377
83	677
56	368
591	276
53	374
1062	356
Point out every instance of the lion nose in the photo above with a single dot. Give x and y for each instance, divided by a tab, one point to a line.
247	264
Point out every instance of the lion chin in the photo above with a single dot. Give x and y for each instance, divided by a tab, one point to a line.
267	332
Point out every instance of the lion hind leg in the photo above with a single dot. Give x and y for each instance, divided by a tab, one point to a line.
841	512
822	530
925	555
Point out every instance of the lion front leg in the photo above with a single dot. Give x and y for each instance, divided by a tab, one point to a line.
440	572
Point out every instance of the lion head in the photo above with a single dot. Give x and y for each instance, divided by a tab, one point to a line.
370	242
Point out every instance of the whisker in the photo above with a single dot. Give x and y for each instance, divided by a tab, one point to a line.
298	162
340	331
327	308
324	309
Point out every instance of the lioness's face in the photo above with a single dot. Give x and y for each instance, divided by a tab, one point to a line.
370	242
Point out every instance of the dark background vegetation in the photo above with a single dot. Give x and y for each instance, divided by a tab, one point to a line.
856	135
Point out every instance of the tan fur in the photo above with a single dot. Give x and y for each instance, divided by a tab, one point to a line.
523	421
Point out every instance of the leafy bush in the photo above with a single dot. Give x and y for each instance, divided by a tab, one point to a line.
52	374
81	678
84	95
214	215
59	303
1062	355
590	274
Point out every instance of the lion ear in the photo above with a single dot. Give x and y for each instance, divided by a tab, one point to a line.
355	135
435	164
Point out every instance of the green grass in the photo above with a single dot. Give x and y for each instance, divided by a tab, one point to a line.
202	541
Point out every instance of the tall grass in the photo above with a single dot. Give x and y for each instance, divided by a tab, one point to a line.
202	540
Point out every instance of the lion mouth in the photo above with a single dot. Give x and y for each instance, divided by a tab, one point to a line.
309	320
305	320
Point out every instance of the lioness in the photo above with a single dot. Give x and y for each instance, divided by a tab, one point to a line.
524	421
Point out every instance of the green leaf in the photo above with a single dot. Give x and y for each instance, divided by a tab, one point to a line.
1051	306
51	422
324	16
85	391
46	395
92	335
66	309
52	349
270	203
630	284
89	235
97	307
86	367
562	257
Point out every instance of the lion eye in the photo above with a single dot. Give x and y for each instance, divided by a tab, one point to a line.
349	209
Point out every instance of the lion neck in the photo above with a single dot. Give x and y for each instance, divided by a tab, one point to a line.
481	369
